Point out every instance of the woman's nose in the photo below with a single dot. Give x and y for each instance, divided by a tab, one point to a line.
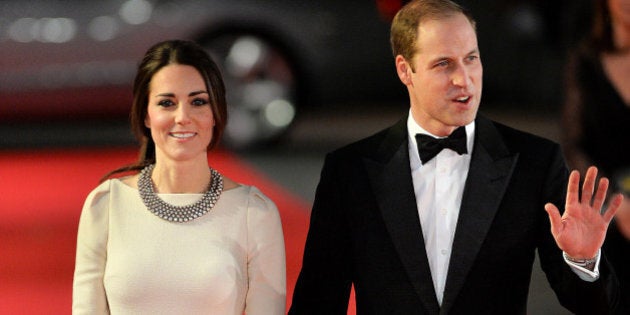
182	115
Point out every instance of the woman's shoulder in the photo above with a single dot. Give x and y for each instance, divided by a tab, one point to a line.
258	196
229	184
97	203
129	181
263	216
105	188
252	197
100	191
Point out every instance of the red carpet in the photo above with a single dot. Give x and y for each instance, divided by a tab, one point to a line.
42	195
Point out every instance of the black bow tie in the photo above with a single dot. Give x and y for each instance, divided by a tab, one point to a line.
429	147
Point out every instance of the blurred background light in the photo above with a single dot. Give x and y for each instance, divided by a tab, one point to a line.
136	12
257	95
22	30
279	113
103	28
56	30
244	55
46	30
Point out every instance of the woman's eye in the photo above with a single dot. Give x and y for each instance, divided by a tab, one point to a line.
165	103
199	102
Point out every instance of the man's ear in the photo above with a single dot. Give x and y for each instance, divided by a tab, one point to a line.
403	68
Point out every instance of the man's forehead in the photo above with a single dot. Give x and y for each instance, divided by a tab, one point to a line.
445	33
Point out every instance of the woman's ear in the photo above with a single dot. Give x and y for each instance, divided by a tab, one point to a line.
403	68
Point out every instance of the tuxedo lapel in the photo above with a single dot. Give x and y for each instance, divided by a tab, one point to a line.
488	176
390	175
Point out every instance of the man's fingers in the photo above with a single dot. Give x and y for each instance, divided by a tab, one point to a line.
600	195
573	188
589	185
613	206
554	217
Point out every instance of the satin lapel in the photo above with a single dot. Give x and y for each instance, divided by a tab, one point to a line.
489	174
390	175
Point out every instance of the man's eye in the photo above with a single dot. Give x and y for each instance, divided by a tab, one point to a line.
444	63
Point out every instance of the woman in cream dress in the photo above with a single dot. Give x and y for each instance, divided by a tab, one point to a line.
174	236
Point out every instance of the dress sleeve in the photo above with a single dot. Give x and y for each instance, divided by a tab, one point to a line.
266	264
88	292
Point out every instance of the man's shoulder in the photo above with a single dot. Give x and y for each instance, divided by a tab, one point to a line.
393	135
504	140
512	135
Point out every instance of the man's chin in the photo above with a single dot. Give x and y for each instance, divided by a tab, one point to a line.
465	119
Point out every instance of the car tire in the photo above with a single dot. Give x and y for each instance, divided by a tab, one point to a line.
261	87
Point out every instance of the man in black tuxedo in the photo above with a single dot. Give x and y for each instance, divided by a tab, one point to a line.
421	230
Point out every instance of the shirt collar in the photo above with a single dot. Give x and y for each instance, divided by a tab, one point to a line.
414	128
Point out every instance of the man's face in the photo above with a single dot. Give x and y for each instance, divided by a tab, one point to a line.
445	84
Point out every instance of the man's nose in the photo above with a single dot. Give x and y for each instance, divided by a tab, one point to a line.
461	76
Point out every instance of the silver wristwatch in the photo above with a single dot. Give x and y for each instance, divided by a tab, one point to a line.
583	262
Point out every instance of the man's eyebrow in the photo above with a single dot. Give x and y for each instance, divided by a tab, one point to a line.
444	57
474	51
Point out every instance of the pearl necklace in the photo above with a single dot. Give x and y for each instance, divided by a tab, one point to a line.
173	213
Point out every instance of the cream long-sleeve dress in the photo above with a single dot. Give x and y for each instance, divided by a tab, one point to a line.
129	261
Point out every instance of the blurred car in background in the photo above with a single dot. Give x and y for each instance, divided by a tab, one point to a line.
68	60
75	59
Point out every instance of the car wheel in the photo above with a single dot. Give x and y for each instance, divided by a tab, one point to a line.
260	88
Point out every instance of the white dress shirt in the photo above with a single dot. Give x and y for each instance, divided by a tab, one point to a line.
438	187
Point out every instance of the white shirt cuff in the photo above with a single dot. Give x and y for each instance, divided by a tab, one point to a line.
583	273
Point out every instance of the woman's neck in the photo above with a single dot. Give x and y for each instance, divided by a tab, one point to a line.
178	177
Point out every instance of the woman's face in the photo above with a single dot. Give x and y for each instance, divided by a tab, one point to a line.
179	114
